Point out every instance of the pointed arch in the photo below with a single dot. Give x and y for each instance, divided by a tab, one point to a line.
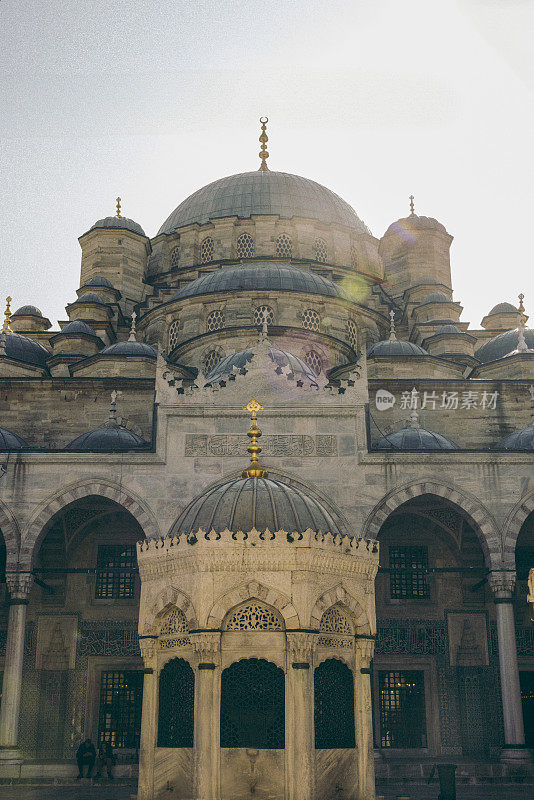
170	596
99	487
338	595
248	591
512	528
11	533
484	524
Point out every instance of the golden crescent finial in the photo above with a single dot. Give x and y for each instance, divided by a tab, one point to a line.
254	469
412	211
263	154
521	310
7	315
118	206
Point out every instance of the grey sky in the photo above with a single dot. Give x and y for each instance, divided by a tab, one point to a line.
374	99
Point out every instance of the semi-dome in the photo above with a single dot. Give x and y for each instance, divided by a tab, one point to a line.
90	297
503	308
130	349
414	438
22	348
245	503
98	280
267	193
261	276
10	440
503	344
395	347
236	362
77	326
108	438
121	223
27	311
522	439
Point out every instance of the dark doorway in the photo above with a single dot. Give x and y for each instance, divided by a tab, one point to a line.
527	698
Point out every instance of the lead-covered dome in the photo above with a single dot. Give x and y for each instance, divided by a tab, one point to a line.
522	439
503	344
120	223
245	503
22	348
10	440
414	438
111	437
267	193
261	276
395	347
139	349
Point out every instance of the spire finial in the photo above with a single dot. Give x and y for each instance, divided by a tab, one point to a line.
118	207
131	337
7	315
412	211
392	336
263	154
254	469
521	310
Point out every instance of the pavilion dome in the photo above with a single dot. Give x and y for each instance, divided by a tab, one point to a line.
503	344
245	503
395	347
119	223
22	348
236	362
414	223
278	194
414	437
27	311
503	308
111	437
76	327
130	349
522	439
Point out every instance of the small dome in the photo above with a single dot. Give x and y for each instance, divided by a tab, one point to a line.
267	193
22	348
99	281
27	311
10	440
245	503
414	438
518	440
121	223
449	328
435	297
503	344
90	297
395	347
130	349
261	276
109	438
415	223
503	308
77	326
299	369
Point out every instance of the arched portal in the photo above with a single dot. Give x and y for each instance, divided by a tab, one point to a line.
333	705
176	704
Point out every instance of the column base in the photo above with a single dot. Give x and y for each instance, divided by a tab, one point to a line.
11	761
516	754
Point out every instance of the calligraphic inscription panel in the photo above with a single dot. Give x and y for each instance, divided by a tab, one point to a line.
294	445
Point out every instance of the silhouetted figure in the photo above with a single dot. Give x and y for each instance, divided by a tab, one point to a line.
105	759
85	754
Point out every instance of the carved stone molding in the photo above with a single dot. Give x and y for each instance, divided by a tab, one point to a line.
300	646
147	645
365	649
207	645
19	585
502	584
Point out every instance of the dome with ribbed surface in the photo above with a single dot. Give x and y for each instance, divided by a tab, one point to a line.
22	348
109	438
27	311
415	223
522	439
236	362
261	276
395	347
503	344
120	223
130	349
245	503
267	193
503	308
414	438
10	440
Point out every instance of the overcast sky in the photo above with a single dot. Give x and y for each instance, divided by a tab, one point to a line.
376	99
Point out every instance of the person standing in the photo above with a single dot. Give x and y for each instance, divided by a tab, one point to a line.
85	754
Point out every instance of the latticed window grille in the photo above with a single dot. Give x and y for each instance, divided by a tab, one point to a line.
261	313
215	321
175	256
313	360
174	332
245	246
310	319
402	709
253	705
176	704
206	250
284	246
334	620
334	705
408	577
352	333
353	257
116	566
321	251
254	616
173	631
211	360
121	697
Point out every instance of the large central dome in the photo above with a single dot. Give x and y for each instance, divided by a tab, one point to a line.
264	192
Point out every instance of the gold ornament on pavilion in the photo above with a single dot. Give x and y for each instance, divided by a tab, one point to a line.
412	209
118	207
7	315
254	469
264	155
521	310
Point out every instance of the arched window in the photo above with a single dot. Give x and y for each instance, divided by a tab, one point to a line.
176	704
254	616
174	329
175	256
334	705
313	360
284	246
336	629
352	333
261	313
245	246
310	319
173	630
253	705
215	321
320	250
206	250
211	360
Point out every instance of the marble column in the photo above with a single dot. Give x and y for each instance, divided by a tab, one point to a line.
207	646
363	717
502	584
147	744
300	748
19	586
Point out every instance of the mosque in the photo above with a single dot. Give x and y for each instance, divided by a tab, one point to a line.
267	506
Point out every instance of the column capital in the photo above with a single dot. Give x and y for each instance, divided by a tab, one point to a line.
147	645
300	646
502	584
19	585
207	645
365	649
